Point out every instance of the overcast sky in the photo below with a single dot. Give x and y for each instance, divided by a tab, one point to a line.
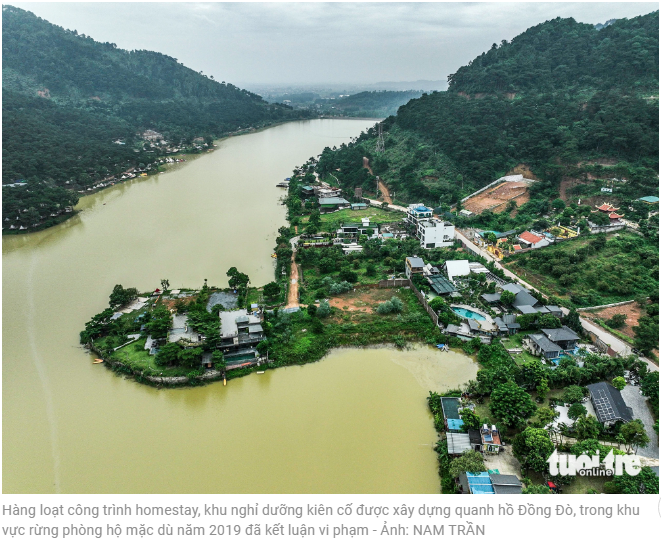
316	43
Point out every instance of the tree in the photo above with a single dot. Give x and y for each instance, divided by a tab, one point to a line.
511	404
191	358
491	238
315	220
237	280
165	284
470	419
271	290
168	354
160	322
587	427
533	447
558	204
324	310
536	489
370	271
633	435
507	297
649	386
543	388
618	382
546	415
312	310
218	360
438	304
122	296
573	321
549	321
646	482
470	461
617	321
573	394
576	410
647	334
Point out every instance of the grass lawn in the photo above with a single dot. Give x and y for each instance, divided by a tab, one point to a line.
375	214
515	342
138	358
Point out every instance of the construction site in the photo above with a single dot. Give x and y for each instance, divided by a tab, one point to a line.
496	196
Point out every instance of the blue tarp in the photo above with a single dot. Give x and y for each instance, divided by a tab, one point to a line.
455	425
480	483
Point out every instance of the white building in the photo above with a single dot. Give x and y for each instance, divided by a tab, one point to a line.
430	231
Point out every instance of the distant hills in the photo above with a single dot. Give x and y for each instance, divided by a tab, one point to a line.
557	96
67	98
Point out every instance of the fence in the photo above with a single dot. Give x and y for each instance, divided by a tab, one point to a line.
604	306
394	283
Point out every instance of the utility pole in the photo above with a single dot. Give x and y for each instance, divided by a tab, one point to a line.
380	145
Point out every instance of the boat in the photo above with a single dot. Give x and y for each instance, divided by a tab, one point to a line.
224	382
260	372
274	255
98	360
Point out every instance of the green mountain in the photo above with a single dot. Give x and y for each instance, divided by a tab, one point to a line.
558	98
67	98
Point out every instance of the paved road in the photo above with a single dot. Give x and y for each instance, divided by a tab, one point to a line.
615	343
292	295
638	404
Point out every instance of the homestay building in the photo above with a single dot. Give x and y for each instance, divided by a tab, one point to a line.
240	332
530	240
354	230
430	231
414	265
332	204
608	404
488	482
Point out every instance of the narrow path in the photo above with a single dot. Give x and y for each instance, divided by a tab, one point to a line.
292	294
385	193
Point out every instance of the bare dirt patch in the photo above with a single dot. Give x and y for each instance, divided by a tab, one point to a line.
567	184
498	197
524	170
361	300
632	310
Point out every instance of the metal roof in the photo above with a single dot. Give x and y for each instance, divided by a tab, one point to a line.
608	403
480	483
440	284
457	268
560	334
491	297
544	343
332	201
523	297
527	310
458	443
416	262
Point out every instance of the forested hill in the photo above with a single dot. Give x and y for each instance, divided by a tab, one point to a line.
562	53
67	98
559	96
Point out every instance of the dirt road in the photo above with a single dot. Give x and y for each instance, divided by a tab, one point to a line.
292	295
385	193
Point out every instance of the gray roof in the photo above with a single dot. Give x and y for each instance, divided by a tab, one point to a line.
440	284
523	297
475	436
544	343
608	403
560	334
472	323
505	484
416	262
255	328
554	308
509	319
332	201
513	288
491	297
458	443
500	323
527	310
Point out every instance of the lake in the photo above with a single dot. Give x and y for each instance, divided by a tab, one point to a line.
354	422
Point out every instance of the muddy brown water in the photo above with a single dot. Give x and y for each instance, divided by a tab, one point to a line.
353	422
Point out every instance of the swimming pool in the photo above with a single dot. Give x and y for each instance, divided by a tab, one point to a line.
468	314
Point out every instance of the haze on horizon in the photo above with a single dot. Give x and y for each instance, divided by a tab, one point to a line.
303	44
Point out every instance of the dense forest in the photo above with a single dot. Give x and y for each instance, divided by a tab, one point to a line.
67	98
559	95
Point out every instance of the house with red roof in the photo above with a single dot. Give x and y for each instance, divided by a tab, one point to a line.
532	241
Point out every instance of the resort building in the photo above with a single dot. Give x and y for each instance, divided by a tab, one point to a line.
331	204
532	241
431	232
240	333
608	404
414	265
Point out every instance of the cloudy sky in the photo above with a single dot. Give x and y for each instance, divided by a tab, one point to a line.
317	43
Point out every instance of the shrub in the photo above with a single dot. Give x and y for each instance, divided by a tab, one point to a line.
617	321
324	310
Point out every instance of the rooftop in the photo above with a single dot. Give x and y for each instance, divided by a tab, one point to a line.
457	268
530	237
544	343
650	199
440	284
415	262
332	201
560	334
608	403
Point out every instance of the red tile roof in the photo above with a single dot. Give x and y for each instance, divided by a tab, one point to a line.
517	247
615	216
530	238
607	207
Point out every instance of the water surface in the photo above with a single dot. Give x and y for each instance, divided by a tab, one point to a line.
355	422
